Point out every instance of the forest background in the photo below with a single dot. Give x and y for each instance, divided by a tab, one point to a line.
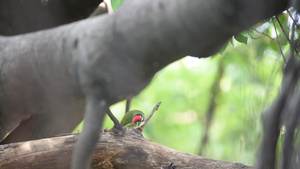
213	106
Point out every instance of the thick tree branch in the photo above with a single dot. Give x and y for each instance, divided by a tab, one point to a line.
272	116
48	74
17	17
112	56
126	151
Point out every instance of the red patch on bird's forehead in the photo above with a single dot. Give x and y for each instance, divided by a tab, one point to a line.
136	118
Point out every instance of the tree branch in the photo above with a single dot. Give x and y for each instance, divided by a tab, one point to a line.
151	114
277	40
129	150
272	116
48	74
128	102
17	17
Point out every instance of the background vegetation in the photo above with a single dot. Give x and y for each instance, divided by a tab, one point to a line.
239	82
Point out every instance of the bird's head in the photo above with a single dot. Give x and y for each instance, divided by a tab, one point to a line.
138	119
133	119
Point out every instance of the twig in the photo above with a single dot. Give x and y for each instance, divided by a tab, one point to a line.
253	36
117	128
278	41
151	114
112	117
128	101
264	34
291	41
294	21
283	30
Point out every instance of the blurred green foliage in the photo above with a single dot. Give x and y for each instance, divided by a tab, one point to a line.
250	83
116	3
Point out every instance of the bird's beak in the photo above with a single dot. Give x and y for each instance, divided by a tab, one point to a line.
138	123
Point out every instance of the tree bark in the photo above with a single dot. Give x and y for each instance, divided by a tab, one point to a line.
129	150
47	74
17	17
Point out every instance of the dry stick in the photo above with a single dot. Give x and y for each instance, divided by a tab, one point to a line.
283	30
286	35
117	128
117	125
292	44
264	34
278	41
151	114
111	116
128	101
294	21
252	36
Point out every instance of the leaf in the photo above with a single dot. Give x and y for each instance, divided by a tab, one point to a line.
274	46
241	38
116	3
223	48
261	48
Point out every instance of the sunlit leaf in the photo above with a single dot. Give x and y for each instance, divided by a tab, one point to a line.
241	38
282	28
261	48
116	3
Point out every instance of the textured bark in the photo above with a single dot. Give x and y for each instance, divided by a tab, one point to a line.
129	150
47	74
17	17
283	110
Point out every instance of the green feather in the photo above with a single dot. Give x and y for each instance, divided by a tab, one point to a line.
127	119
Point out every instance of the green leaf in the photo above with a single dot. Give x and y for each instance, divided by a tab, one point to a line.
223	48
261	48
274	46
116	3
241	38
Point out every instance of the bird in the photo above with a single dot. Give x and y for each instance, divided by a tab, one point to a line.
133	119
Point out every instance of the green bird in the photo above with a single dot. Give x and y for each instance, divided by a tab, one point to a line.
133	119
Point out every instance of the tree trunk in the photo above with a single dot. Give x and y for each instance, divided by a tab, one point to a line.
129	150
